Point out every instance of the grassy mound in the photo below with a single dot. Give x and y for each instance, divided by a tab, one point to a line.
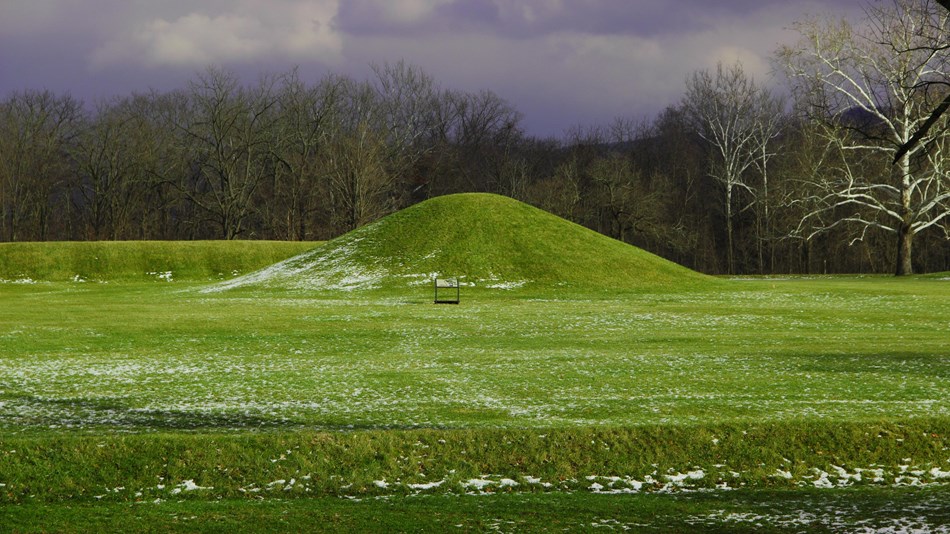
140	260
486	240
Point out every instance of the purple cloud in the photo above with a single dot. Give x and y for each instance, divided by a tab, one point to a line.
560	62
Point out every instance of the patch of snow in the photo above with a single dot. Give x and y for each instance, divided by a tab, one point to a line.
477	483
164	276
878	475
189	485
426	486
907	481
783	474
938	473
844	477
322	269
507	285
822	481
679	478
25	281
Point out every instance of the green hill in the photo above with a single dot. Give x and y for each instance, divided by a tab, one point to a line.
486	240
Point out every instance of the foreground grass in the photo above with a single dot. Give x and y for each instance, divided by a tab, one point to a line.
115	395
919	510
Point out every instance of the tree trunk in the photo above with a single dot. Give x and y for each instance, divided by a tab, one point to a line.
729	251
905	241
905	232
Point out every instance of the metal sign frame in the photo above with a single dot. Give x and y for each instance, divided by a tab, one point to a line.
446	285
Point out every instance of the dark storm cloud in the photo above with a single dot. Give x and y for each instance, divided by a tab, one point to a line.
560	62
530	18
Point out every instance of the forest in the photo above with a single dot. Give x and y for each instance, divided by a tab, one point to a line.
739	177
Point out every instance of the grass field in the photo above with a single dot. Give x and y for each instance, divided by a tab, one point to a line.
765	404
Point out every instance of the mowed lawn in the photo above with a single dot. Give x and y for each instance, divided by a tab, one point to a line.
81	357
160	400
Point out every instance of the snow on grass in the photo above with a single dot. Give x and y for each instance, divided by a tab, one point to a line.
938	474
350	264
689	481
478	484
412	376
188	485
164	276
679	479
426	486
20	281
506	285
787	475
326	268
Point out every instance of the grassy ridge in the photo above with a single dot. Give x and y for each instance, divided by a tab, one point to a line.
485	239
368	463
141	260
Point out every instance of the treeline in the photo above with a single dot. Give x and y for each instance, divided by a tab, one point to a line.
731	180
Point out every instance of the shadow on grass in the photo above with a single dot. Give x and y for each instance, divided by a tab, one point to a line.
26	413
35	412
924	363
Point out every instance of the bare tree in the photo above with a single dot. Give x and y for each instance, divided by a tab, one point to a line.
560	193
869	89
768	128
407	99
618	196
122	159
361	188
306	121
730	112
37	129
109	155
229	138
160	163
934	117
478	132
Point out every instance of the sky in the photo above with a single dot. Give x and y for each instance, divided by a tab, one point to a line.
561	63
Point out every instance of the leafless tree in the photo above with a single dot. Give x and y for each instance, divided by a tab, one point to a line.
618	196
869	89
109	153
37	129
228	134
407	99
768	128
307	114
938	111
733	115
361	187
